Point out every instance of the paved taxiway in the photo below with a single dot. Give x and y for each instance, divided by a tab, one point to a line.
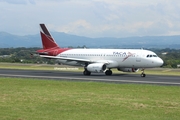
78	76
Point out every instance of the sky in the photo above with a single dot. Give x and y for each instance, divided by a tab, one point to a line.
92	18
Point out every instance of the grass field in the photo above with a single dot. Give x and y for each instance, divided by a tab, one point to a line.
32	99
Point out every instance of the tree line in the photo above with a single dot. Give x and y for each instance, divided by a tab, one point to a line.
171	57
20	55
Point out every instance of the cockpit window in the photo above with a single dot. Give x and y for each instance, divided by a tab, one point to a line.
151	56
154	55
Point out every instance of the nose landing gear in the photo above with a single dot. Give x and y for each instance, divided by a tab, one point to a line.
143	74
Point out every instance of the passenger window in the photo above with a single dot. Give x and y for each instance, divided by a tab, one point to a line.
150	55
147	55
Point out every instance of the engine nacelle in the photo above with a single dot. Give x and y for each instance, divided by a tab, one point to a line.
128	69
96	67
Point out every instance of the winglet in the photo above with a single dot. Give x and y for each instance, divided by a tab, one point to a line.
47	40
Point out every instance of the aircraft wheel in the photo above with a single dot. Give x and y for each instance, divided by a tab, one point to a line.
108	72
143	75
86	72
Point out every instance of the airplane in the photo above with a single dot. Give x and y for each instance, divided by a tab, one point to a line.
98	60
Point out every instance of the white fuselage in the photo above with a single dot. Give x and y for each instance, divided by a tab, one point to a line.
114	58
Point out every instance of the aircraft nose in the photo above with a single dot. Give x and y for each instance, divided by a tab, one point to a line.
160	62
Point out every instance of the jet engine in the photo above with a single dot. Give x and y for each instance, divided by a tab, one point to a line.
96	67
128	69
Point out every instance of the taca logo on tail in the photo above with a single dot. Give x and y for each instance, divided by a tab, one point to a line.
47	39
50	47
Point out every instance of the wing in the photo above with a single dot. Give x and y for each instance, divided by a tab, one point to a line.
107	62
67	58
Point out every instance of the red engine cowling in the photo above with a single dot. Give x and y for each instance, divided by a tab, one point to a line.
128	69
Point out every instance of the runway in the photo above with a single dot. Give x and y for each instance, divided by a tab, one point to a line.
99	77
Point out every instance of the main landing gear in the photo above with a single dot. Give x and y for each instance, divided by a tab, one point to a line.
86	72
143	74
108	72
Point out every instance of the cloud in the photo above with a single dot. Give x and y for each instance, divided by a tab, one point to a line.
79	25
92	18
19	1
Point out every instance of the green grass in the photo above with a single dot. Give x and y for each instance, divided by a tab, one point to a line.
163	71
26	66
37	67
32	99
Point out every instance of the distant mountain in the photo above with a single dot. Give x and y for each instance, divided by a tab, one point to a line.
66	40
8	40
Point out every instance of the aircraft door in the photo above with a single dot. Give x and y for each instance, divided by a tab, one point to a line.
138	57
103	56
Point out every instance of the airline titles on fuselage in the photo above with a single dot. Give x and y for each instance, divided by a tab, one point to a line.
115	53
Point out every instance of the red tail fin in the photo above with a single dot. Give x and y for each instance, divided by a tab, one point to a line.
47	40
